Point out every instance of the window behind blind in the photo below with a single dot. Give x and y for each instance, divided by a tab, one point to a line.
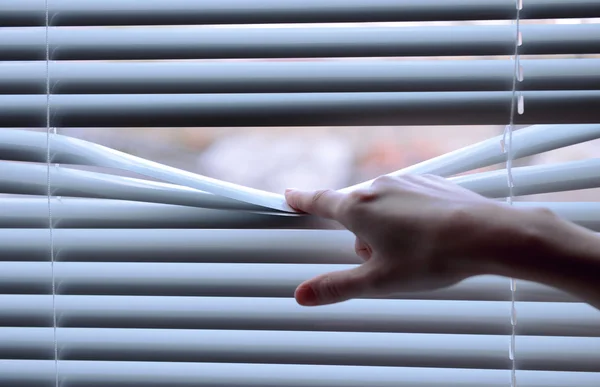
160	284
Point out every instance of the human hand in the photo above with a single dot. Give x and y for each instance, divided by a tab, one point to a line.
414	233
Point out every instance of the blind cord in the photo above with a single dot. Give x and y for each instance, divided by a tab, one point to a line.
49	195
516	106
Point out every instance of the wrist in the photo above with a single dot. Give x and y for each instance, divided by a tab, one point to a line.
538	243
480	239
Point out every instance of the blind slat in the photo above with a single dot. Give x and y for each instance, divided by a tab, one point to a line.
295	77
294	42
300	109
251	246
324	348
107	213
535	179
127	12
408	316
17	178
141	245
227	280
84	374
277	347
20	178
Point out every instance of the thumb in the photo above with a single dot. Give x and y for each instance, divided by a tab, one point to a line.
334	287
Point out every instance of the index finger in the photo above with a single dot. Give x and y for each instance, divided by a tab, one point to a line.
324	203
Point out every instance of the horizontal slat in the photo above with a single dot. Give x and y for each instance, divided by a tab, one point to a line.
128	12
32	179
183	245
172	245
297	109
194	42
296	77
282	347
105	213
37	373
278	347
225	280
22	145
19	178
101	213
409	316
535	179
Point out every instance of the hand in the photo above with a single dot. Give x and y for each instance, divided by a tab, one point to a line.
414	233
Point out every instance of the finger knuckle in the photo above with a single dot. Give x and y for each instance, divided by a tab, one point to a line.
459	216
362	252
377	278
354	204
329	290
384	180
318	196
411	177
359	196
430	176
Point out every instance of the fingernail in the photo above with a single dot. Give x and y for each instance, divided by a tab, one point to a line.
288	190
305	295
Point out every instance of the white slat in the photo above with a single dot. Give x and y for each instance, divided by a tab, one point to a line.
293	347
409	316
86	373
226	280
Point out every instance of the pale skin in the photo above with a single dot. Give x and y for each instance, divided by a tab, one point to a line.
418	233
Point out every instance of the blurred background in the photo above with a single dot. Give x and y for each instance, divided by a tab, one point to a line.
273	159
